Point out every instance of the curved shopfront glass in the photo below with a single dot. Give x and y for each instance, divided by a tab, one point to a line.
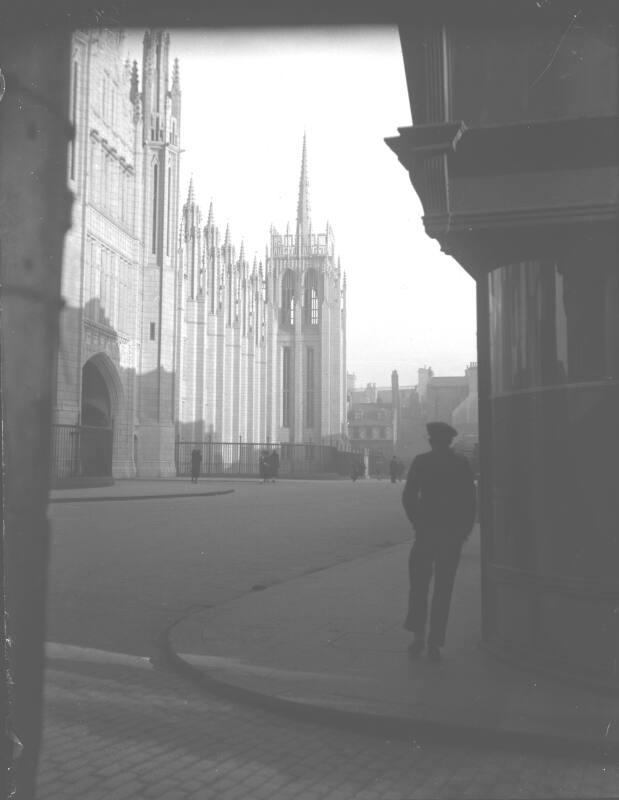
553	324
554	404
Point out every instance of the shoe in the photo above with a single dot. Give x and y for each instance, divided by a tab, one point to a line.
416	647
434	654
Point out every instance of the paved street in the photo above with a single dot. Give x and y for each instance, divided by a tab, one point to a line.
122	572
117	732
120	724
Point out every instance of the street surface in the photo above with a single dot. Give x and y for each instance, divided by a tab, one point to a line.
120	724
121	572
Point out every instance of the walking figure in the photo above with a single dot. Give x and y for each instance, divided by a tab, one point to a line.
440	501
196	461
358	469
274	465
393	469
264	465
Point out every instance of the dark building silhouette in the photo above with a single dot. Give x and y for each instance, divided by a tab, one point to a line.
514	156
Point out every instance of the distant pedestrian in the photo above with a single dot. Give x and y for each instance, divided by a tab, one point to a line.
440	502
264	466
196	462
393	469
274	465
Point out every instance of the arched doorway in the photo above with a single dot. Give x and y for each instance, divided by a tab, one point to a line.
96	433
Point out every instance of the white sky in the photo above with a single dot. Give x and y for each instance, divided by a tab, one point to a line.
247	98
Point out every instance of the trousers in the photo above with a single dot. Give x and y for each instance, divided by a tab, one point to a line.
435	554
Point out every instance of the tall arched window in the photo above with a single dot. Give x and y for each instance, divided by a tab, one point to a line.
252	305
169	219
154	222
287	309
286	386
73	142
312	298
244	303
213	285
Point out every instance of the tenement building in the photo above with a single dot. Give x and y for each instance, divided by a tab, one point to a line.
168	332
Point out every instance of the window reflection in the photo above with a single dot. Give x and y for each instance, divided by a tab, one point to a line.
547	71
554	323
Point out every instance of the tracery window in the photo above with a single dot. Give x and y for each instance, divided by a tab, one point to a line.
154	210
309	388
287	309
286	386
312	298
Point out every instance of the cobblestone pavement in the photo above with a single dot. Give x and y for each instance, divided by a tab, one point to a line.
118	731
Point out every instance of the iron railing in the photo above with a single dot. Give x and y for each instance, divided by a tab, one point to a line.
80	450
243	458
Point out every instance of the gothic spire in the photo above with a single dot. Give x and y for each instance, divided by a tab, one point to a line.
303	207
242	252
227	236
210	219
190	196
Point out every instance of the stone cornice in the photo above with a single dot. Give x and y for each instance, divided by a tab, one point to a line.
512	177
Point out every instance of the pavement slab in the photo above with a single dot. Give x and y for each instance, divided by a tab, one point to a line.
333	641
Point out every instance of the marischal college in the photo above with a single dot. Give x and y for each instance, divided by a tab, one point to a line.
170	336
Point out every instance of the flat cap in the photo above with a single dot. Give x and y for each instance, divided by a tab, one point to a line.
442	430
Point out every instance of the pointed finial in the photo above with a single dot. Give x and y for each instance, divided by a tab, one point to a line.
303	207
227	236
176	77
242	252
133	92
190	197
210	220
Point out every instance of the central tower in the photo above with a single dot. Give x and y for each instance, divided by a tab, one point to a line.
309	295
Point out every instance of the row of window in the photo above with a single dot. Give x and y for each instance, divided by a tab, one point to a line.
109	285
288	384
157	129
112	184
312	299
380	414
370	433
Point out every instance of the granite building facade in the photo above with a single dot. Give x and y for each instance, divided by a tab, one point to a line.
263	345
168	333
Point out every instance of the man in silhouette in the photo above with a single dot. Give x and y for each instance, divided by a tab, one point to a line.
196	461
439	499
274	465
393	469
